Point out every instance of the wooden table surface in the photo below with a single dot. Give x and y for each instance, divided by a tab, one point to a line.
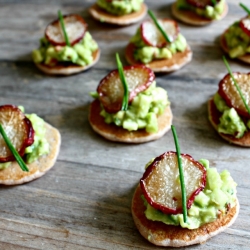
84	201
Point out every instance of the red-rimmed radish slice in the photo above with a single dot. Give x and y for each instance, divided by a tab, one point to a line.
111	91
229	93
75	28
153	37
160	183
202	3
245	25
18	129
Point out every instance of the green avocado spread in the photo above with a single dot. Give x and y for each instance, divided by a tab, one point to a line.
120	7
39	147
211	12
238	42
218	195
142	112
146	53
80	53
230	121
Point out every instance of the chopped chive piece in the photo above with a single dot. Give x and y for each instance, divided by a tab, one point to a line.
63	28
183	189
124	83
236	84
159	26
94	94
213	2
13	150
245	8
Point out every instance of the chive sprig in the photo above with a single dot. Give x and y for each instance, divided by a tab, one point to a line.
245	8
13	150
151	14
63	28
124	83
213	2
182	181
236	84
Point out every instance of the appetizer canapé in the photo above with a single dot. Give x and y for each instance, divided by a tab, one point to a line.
235	41
37	142
148	115
211	202
228	113
67	47
159	45
199	12
119	12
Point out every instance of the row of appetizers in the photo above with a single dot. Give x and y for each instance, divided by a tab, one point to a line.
130	108
78	51
192	12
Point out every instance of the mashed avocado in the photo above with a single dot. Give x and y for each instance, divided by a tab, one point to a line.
120	7
211	12
142	112
230	122
39	147
238	42
80	53
4	165
218	195
146	54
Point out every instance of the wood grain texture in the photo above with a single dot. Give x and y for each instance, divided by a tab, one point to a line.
84	201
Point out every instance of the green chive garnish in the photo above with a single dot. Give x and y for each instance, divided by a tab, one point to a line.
213	2
159	26
236	84
13	150
124	83
63	28
245	8
183	189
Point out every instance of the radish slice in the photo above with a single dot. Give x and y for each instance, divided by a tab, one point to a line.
202	3
110	88
153	37
229	93
18	129
75	28
245	25
160	183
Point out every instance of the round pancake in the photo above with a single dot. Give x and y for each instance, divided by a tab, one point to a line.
177	61
14	175
115	133
161	234
192	18
245	58
69	69
103	16
214	115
